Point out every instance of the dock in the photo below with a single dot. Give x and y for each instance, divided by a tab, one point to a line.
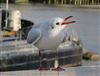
70	71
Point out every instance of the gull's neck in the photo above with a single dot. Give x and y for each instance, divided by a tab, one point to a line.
56	31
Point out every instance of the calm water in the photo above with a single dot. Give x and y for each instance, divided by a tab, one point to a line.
87	25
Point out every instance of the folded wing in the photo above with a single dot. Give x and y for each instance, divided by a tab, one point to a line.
33	36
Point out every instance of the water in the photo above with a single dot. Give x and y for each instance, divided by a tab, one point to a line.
87	25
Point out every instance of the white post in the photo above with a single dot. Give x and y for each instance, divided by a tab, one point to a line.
0	18
0	26
7	1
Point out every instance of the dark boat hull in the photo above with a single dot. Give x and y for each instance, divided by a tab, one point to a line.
28	60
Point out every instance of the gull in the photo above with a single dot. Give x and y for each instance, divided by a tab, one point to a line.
48	35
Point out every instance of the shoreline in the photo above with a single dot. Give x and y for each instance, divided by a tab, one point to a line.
61	6
82	6
64	6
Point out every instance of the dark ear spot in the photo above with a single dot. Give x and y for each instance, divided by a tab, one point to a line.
57	23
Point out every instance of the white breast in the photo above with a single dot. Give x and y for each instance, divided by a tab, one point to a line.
49	43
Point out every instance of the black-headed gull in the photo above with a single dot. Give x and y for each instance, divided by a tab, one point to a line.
49	35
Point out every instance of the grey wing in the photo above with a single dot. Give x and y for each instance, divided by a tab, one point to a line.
33	36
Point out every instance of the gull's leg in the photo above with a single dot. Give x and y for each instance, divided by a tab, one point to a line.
58	68
40	57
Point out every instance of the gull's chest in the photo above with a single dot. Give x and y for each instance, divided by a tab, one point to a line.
49	41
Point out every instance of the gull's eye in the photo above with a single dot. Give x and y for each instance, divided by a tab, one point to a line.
57	23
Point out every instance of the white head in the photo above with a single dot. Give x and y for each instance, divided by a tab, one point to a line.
60	23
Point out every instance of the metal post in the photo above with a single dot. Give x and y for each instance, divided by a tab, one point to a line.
7	1
0	30
0	19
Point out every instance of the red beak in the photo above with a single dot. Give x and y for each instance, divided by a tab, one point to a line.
68	22
68	18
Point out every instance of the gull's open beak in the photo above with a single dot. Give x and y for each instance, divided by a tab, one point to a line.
68	18
63	23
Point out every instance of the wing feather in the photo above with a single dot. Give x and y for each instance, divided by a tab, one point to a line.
33	36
